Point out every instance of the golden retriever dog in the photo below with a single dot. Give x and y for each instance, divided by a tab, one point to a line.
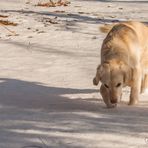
124	62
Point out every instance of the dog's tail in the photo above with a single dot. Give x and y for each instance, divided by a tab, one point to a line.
106	27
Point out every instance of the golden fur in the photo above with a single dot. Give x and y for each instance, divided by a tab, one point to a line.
124	62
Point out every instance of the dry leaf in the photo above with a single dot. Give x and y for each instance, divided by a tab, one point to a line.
3	16
3	22
52	4
49	20
49	4
112	16
81	12
57	11
12	35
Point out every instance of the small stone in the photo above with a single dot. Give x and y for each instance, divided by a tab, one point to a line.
41	32
30	36
94	37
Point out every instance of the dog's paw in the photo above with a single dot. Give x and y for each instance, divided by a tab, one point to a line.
112	105
134	102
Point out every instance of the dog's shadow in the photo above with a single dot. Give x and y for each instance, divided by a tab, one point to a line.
33	95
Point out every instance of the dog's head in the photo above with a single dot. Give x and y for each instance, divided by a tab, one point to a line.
112	76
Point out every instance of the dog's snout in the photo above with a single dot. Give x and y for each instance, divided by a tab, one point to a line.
113	101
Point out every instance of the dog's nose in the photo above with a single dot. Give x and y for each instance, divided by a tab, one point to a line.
113	101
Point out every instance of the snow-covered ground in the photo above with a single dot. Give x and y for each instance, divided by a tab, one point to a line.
47	99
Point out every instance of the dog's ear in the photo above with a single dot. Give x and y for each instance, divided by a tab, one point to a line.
98	75
101	69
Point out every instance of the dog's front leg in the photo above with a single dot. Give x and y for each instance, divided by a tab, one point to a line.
106	97
136	86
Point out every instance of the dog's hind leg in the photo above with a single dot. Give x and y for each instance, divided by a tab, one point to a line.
144	83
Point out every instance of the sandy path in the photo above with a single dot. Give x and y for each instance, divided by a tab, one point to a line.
46	94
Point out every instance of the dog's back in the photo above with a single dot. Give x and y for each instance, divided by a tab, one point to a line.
127	42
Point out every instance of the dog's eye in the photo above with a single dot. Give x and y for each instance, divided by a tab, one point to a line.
118	85
106	85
